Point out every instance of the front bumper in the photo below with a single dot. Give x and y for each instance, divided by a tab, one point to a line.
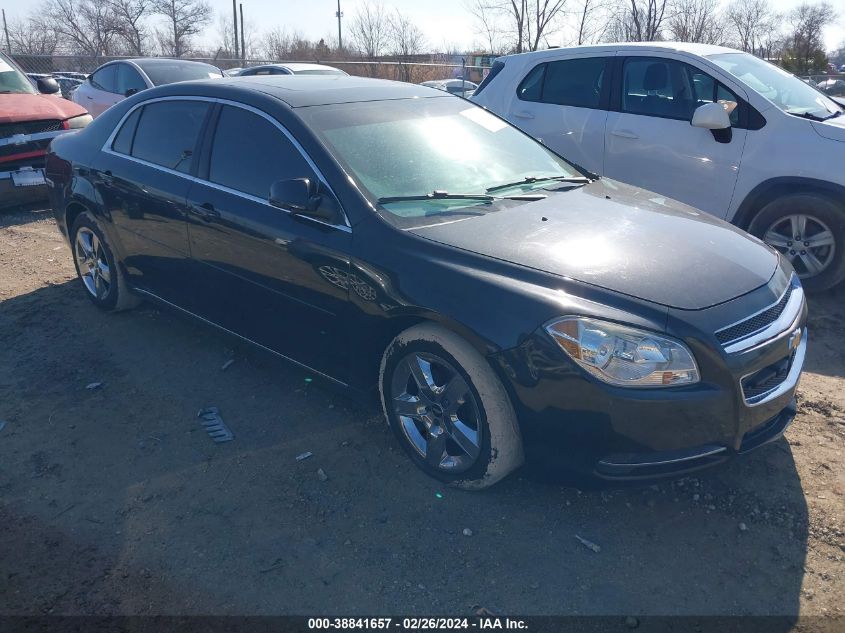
14	193
583	424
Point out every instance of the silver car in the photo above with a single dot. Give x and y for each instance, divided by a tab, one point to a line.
114	81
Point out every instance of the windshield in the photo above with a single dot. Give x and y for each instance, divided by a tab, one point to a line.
319	71
168	72
786	91
414	147
12	80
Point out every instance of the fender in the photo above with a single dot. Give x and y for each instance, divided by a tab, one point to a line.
83	196
770	189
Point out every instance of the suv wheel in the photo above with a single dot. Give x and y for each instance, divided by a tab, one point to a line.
448	409
809	230
96	267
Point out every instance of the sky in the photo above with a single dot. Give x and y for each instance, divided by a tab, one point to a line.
447	24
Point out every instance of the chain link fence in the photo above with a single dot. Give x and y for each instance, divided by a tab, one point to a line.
414	70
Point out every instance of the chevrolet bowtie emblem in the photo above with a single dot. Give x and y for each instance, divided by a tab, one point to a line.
19	139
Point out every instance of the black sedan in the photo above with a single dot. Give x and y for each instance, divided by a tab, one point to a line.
391	236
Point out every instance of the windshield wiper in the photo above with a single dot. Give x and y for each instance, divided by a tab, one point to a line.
439	194
578	180
807	115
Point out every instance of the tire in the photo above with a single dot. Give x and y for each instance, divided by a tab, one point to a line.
481	416
102	279
822	217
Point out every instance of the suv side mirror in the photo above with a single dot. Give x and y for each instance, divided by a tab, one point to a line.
301	196
714	117
47	85
711	116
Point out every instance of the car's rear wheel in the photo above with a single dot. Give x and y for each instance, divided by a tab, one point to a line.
809	230
448	409
96	267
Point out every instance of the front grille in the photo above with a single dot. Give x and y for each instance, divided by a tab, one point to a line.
29	127
36	162
759	321
761	382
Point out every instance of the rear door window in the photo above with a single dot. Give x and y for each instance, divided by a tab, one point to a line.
129	79
250	153
123	141
574	82
105	78
570	82
167	133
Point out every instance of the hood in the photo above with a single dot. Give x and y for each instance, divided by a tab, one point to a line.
833	129
15	108
623	239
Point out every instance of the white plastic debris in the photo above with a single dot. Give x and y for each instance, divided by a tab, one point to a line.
303	456
588	544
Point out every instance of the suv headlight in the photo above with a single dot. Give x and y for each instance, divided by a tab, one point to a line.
624	356
78	122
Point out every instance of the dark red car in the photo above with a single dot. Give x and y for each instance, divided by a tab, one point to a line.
29	120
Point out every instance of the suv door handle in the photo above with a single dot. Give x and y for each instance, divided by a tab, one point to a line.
523	114
206	211
624	134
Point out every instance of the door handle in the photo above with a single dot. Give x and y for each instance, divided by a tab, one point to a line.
206	211
524	114
624	134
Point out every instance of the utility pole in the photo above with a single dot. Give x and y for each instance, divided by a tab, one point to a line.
235	25
6	29
339	15
243	39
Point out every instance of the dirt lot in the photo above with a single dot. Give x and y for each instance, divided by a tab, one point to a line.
114	501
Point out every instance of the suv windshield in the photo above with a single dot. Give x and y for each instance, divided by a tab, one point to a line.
162	71
12	80
786	91
443	148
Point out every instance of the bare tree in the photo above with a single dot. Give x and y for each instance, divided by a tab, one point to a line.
590	23
805	43
130	23
278	45
486	24
528	23
638	21
33	36
183	20
225	42
370	30
750	21
87	27
696	21
406	39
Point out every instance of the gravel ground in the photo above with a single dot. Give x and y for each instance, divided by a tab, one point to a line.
113	500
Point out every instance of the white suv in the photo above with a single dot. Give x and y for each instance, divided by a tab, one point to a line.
713	127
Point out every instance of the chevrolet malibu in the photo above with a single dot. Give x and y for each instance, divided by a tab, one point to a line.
392	237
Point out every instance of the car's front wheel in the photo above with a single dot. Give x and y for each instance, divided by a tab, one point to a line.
96	266
809	230
448	408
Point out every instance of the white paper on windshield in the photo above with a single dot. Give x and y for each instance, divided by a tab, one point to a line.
4	67
484	119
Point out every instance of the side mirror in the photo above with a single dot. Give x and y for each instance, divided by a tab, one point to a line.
47	85
711	116
130	92
301	196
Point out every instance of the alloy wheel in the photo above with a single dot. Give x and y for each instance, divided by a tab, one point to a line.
805	240
437	412
92	263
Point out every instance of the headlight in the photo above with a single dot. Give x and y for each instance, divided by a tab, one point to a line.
78	122
624	356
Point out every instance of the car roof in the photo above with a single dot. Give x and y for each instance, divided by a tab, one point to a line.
311	90
703	50
294	66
